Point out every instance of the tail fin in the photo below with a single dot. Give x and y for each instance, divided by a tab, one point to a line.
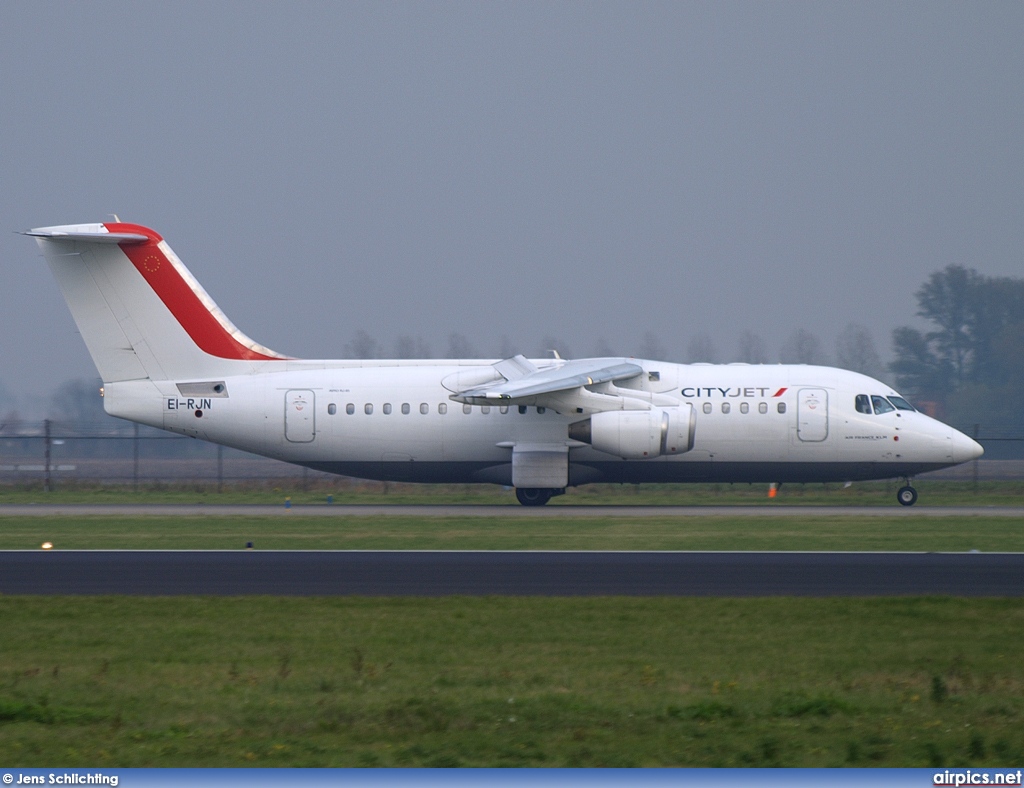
140	311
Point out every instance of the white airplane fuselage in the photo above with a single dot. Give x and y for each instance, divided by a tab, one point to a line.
169	358
397	423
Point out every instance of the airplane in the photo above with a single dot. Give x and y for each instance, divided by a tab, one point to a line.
170	358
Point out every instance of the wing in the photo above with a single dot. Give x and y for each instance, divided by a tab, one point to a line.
581	386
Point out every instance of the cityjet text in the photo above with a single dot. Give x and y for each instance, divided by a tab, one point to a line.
718	391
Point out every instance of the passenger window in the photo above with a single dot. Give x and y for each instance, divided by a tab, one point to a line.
467	409
541	410
424	408
350	408
503	409
707	407
387	408
332	409
882	405
901	404
442	408
762	407
485	409
368	409
522	409
726	407
405	408
744	407
781	407
862	403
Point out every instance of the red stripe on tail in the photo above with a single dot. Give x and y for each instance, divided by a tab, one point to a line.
178	296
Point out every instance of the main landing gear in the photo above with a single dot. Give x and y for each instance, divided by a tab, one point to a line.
906	495
536	496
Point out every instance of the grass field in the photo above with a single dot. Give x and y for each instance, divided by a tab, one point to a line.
198	681
511	682
933	493
291	531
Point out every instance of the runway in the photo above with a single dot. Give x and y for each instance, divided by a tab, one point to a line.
529	512
413	573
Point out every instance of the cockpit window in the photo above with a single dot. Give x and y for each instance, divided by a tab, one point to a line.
862	403
882	405
900	403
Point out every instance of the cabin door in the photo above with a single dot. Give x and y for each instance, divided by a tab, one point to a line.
299	415
812	415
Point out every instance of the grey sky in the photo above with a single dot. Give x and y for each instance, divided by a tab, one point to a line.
582	171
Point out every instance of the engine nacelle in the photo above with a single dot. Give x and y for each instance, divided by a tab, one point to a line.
639	434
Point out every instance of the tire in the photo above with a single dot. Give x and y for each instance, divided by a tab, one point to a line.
907	496
533	496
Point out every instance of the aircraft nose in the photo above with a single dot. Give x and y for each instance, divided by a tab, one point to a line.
964	448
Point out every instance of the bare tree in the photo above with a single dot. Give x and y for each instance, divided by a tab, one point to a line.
855	350
6	400
10	423
701	349
77	402
11	419
363	346
505	348
752	349
802	347
407	347
460	347
602	348
651	347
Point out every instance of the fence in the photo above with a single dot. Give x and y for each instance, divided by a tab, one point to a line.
121	453
129	454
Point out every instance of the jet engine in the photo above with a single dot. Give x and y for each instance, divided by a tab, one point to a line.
639	434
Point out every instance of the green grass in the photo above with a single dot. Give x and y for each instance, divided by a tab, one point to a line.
511	682
289	530
933	493
194	681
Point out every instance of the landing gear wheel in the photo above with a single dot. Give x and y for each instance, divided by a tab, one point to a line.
907	496
533	496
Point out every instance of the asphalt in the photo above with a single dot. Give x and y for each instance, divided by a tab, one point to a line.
414	573
457	510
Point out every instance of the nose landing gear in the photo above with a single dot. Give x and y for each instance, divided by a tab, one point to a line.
906	495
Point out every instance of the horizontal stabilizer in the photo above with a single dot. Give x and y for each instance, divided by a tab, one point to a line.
89	233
